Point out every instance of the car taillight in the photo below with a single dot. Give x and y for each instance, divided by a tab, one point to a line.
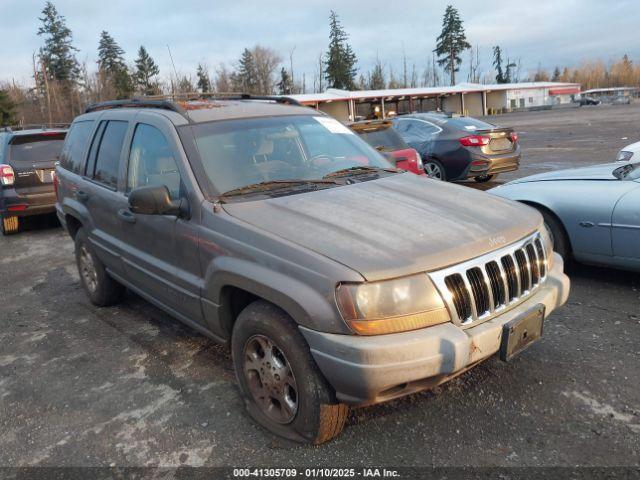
475	141
7	176
514	137
419	164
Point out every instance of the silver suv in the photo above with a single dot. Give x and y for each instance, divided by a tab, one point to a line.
336	279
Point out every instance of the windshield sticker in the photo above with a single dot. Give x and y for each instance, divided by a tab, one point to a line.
333	125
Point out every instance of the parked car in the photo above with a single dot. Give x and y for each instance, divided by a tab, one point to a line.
630	153
27	161
381	135
456	148
592	213
275	229
586	101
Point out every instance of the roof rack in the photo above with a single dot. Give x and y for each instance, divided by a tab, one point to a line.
34	126
174	102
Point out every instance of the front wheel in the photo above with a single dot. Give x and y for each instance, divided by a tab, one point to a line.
484	178
557	233
280	383
435	170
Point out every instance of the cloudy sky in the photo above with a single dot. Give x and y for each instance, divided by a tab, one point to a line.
546	32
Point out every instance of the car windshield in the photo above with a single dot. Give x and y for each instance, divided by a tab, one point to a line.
261	153
36	148
385	139
629	171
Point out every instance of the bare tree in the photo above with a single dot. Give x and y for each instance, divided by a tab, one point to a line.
223	79
266	63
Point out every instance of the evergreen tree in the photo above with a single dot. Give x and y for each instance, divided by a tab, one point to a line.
245	79
340	64
377	79
285	85
451	42
556	75
7	109
497	64
112	67
57	54
204	82
146	69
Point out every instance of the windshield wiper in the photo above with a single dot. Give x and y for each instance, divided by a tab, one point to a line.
359	170
274	184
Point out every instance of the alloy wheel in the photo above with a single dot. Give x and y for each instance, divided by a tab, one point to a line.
433	170
270	379
88	269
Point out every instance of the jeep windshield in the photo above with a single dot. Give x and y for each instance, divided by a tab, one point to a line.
283	155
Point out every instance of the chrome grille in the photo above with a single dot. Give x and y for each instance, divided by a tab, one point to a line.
480	288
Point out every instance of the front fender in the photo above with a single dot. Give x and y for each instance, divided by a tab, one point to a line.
307	306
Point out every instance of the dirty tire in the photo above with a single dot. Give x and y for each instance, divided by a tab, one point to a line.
484	178
102	290
558	233
318	416
10	225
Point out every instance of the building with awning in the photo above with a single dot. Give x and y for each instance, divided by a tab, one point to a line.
472	99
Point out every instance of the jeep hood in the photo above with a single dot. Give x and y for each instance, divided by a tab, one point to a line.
594	172
393	226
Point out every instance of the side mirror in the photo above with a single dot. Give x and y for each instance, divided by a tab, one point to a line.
154	200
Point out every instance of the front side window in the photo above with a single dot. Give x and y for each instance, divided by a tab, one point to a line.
71	157
108	158
237	153
151	161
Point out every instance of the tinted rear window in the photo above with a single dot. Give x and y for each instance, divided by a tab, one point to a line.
386	139
108	159
72	158
468	124
36	148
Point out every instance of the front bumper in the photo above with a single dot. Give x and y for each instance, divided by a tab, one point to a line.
367	370
493	164
24	204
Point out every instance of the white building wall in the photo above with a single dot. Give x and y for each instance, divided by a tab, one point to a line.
527	98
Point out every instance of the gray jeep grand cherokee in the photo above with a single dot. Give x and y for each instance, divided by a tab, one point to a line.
336	279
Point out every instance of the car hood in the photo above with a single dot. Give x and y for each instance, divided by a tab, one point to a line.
393	226
594	172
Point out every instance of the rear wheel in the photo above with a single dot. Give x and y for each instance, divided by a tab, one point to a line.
484	178
280	383
10	225
435	170
101	289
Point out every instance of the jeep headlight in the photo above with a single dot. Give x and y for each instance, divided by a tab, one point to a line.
547	244
398	305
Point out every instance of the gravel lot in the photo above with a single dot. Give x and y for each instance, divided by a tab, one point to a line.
129	386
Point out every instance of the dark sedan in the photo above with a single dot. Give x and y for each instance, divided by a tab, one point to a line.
456	148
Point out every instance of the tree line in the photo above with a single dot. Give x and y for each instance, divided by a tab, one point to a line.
62	85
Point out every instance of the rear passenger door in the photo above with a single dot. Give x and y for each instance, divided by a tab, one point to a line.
100	193
161	251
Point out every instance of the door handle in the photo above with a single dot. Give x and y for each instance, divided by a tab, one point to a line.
126	216
82	195
587	224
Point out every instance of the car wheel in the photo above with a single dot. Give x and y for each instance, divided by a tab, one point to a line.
280	383
484	178
558	235
10	225
101	289
435	170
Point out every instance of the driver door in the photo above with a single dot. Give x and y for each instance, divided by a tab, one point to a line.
160	251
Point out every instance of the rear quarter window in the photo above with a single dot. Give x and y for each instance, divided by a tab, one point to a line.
72	156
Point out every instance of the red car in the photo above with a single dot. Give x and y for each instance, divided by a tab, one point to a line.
381	135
